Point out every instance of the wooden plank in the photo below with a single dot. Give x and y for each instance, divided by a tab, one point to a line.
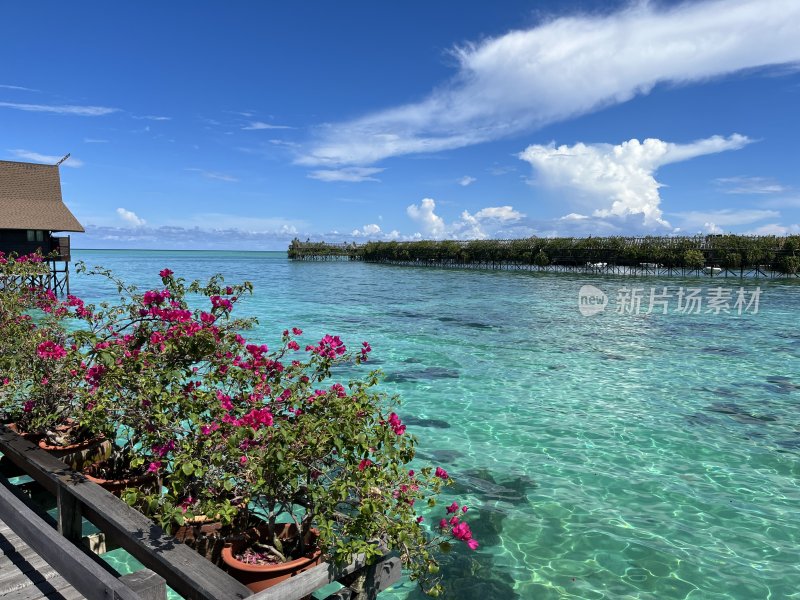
86	576
70	522
149	585
184	570
309	581
56	588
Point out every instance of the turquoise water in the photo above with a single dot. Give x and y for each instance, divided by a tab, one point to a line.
611	456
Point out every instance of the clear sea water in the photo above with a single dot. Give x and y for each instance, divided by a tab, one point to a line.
612	456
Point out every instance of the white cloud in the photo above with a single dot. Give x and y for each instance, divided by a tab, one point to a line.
374	232
466	180
715	221
750	185
46	159
573	217
130	217
66	109
619	180
567	67
499	213
214	175
153	118
258	125
431	223
351	174
487	222
94	141
775	229
19	88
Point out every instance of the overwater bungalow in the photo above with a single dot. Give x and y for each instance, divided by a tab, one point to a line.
31	211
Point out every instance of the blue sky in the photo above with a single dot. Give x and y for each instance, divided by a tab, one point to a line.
243	125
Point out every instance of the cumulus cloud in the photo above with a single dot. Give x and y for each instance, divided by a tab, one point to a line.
484	223
351	174
499	213
467	180
47	159
619	181
373	231
130	217
566	67
62	109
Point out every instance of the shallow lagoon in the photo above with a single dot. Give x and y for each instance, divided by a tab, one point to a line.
611	456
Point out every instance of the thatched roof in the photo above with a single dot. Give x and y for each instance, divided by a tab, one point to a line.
30	198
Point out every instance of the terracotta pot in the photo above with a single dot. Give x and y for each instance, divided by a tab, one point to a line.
261	577
116	486
81	454
205	536
31	437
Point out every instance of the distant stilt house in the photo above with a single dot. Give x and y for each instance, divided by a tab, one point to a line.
31	210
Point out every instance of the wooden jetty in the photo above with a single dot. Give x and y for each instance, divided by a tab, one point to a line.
699	256
53	560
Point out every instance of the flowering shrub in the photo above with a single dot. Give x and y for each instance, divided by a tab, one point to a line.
233	430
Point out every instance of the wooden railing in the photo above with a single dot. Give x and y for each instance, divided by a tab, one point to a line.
183	569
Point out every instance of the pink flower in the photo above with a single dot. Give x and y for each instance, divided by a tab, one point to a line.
452	508
242	459
461	532
473	544
154	466
443	524
165	273
464	509
364	464
396	425
297	331
28	406
225	401
441	473
220	302
420	519
50	350
293	346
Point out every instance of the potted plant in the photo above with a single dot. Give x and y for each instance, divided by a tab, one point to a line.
39	362
263	450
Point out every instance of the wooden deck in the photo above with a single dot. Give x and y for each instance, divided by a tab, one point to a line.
33	553
24	575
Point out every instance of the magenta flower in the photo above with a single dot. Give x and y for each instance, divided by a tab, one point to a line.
165	273
452	508
397	425
441	473
154	466
473	544
364	464
50	350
